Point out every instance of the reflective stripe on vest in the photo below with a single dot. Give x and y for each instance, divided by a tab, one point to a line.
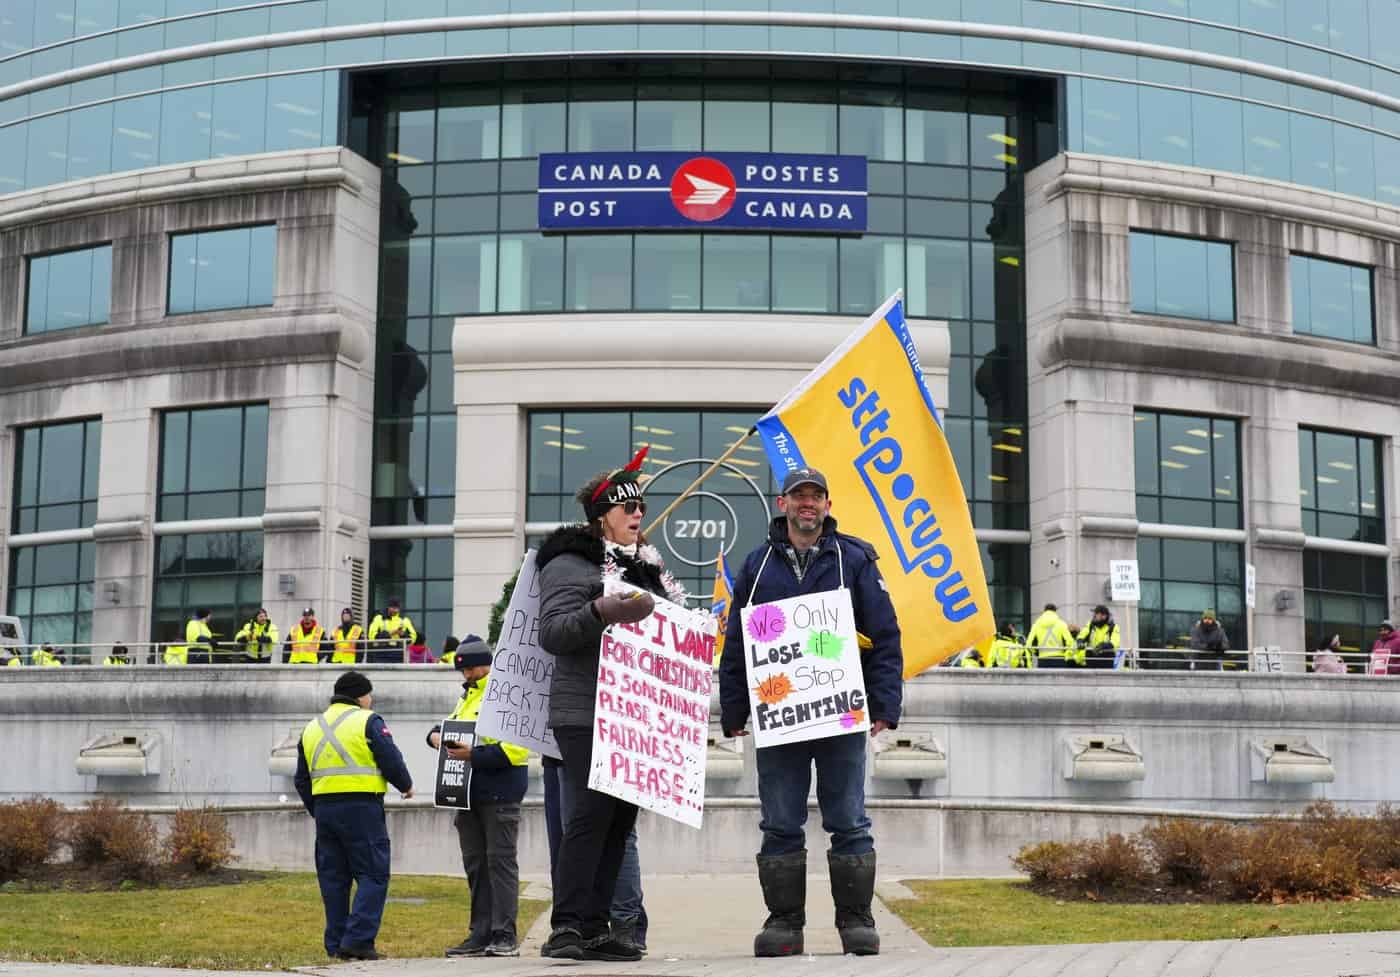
341	765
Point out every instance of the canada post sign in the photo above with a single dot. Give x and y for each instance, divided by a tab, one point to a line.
737	191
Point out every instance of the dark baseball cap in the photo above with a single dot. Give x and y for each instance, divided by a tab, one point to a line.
804	476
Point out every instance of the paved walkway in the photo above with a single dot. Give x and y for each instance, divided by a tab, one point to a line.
703	927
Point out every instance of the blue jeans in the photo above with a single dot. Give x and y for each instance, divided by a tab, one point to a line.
784	779
352	844
627	902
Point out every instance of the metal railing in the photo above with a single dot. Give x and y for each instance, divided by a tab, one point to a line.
178	654
1257	660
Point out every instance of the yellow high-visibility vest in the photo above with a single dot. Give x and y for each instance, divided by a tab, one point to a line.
469	707
346	646
249	635
338	754
305	645
197	635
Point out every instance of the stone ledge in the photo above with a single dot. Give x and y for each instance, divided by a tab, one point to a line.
1236	355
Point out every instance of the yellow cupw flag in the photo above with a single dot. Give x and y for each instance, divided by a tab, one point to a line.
865	419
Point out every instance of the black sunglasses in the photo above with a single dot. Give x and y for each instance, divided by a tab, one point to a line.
634	505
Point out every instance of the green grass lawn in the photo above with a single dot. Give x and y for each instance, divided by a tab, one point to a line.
988	912
275	922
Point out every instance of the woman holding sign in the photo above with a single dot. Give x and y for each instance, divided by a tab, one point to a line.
574	562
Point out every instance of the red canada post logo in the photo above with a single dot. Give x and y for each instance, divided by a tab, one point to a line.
703	189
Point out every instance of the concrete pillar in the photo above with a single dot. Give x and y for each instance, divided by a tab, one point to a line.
488	531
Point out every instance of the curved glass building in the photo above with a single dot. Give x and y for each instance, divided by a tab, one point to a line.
280	325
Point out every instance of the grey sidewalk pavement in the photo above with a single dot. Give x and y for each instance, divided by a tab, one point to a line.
703	927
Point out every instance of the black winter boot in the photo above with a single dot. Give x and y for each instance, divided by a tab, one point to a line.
784	881
852	889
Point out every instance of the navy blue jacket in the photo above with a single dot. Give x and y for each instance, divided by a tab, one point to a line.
386	757
882	665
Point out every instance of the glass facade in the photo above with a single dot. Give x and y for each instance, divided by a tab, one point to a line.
419	573
1134	105
213	463
1187	469
69	289
1340	486
1182	276
233	268
51	591
459	238
56	469
1180	579
1344	595
1331	299
220	571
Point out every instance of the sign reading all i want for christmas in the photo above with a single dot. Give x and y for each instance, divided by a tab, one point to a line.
804	675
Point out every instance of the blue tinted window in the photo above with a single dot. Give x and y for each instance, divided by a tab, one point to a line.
1180	276
1339	486
1331	299
230	269
69	289
213	463
56	476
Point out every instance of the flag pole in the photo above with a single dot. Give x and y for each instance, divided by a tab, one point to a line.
696	484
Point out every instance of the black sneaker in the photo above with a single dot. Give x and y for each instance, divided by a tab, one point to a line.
565	943
470	947
359	951
503	946
605	947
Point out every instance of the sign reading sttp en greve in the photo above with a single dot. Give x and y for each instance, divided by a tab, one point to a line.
734	191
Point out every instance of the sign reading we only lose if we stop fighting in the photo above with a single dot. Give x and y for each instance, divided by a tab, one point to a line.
803	662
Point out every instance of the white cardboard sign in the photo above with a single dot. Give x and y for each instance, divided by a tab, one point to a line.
515	707
652	712
803	664
1124	582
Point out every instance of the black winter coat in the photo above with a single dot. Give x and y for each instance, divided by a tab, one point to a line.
882	666
571	576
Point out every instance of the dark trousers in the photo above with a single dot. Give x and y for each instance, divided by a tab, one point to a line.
1055	663
784	779
593	844
352	845
488	835
627	904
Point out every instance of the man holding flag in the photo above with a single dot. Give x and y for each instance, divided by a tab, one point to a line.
865	417
806	555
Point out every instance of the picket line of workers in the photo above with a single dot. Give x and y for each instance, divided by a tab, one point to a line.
306	643
1051	643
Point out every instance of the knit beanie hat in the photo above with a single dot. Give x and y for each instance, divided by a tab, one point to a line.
471	653
352	685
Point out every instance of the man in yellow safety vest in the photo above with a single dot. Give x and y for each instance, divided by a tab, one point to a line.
305	640
346	761
1053	641
198	638
488	832
393	628
117	656
1007	650
347	639
259	638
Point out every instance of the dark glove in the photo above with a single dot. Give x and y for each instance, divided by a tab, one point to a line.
624	609
264	639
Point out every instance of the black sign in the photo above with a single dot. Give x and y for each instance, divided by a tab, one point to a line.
453	785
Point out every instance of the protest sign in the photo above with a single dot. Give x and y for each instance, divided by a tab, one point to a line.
652	712
803	663
515	706
453	783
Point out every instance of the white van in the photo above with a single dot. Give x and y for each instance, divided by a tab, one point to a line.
11	639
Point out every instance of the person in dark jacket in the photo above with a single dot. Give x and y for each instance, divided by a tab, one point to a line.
574	564
489	831
346	761
1099	639
1209	640
805	554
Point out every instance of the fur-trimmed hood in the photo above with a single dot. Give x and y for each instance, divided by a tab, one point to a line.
640	566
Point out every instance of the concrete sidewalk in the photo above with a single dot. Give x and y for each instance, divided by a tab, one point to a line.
703	927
